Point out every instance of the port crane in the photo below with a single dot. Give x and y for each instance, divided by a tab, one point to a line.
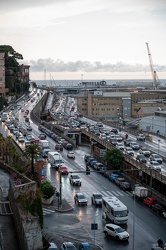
154	74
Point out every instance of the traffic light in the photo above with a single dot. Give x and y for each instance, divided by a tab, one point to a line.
87	170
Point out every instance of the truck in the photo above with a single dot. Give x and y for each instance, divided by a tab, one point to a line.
44	145
140	192
4	116
55	159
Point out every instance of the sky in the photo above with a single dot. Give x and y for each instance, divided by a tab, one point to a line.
86	39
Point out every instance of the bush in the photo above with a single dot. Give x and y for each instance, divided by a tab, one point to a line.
47	189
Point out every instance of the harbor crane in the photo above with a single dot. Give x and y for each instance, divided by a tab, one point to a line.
154	74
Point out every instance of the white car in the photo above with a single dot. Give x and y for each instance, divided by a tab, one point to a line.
116	231
155	165
120	145
156	157
21	139
134	145
75	179
71	154
144	151
141	137
130	151
118	137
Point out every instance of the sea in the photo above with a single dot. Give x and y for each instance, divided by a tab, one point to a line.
73	83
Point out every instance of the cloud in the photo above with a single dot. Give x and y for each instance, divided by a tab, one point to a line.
85	66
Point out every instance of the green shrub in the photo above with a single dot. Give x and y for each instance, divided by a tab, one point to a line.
47	189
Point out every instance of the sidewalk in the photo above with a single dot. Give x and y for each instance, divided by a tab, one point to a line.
55	206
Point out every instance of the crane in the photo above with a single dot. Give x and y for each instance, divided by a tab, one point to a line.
154	74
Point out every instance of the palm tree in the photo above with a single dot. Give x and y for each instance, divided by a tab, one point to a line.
8	144
14	153
32	151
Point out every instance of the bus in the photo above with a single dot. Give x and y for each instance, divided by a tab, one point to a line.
115	210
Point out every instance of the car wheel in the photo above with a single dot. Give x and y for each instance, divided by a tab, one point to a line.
92	201
70	182
117	238
106	234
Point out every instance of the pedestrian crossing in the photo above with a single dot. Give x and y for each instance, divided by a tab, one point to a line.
47	211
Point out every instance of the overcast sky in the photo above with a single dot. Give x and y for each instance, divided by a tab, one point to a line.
97	38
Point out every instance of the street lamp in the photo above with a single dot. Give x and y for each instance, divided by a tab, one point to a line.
158	145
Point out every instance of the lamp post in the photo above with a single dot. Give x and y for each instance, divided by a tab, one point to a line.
158	145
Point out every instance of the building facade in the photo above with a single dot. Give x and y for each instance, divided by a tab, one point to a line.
3	90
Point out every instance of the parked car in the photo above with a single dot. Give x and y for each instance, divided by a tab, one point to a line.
80	199
97	166
144	151
126	186
114	130
68	246
134	145
63	169
52	246
141	158
113	177
158	208
150	201
129	151
85	246
59	147
71	155
75	179
119	180
156	157
96	199
116	232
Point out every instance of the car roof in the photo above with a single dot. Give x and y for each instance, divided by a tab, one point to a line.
112	225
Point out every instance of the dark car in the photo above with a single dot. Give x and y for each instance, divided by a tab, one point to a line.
141	158
158	208
114	130
42	136
59	147
126	186
69	146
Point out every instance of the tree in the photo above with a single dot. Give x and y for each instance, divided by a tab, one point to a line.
115	158
32	151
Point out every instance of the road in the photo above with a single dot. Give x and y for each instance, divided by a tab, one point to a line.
144	226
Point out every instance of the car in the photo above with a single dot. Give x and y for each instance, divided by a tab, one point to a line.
42	136
113	177
27	143
68	146
150	201
75	180
63	169
85	246
118	137
52	246
125	186
140	137
120	145
116	231
98	166
29	137
119	180
59	147
21	139
96	199
127	141
71	154
144	151
80	199
29	128
113	141
141	158
156	157
155	165
130	151
68	246
158	208
134	145
114	130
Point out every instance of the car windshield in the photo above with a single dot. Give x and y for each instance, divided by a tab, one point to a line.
81	197
98	196
119	230
120	213
155	164
75	177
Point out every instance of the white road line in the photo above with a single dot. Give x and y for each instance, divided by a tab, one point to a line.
109	193
115	193
105	194
47	211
